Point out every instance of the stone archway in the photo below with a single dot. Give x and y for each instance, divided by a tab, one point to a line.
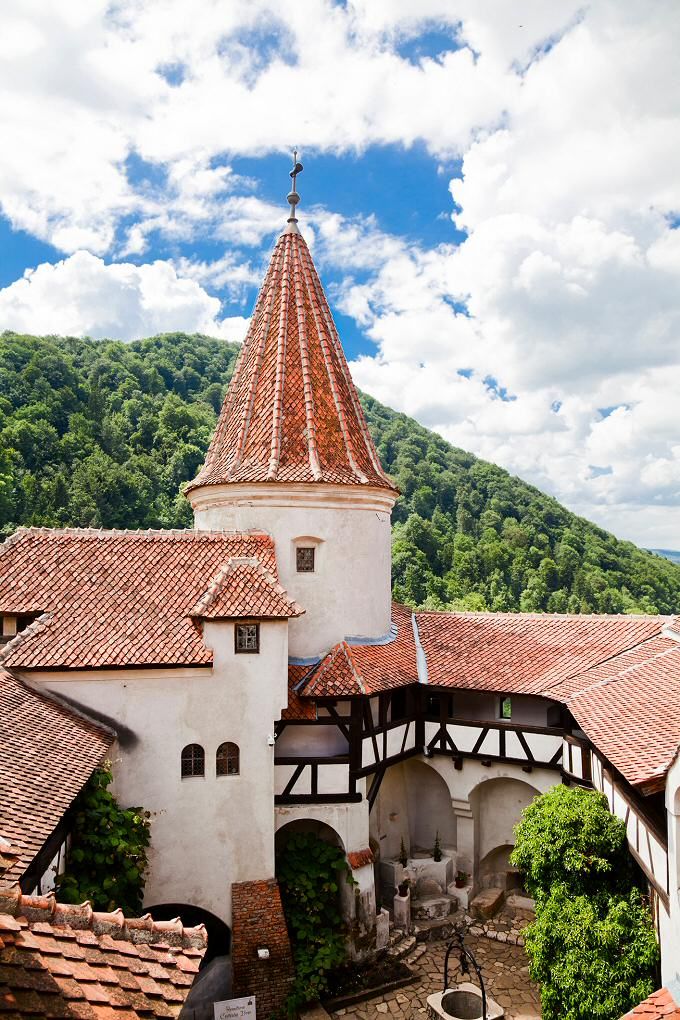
497	805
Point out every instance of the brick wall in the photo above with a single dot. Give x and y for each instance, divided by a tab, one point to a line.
258	922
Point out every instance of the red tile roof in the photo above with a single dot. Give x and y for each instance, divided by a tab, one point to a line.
630	708
298	708
366	669
360	858
292	413
58	960
47	754
242	587
116	598
659	1006
619	675
523	653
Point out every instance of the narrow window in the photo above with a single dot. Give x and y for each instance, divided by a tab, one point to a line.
247	637
506	708
227	762
399	705
433	706
304	559
193	761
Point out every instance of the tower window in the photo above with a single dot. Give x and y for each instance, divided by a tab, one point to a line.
227	761
193	761
506	708
304	559
247	637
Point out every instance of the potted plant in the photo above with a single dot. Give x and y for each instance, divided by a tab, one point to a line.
403	887
461	879
437	848
403	856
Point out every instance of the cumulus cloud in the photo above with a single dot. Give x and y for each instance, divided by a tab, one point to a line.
83	296
547	341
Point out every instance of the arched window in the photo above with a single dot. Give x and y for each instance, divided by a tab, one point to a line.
227	762
193	760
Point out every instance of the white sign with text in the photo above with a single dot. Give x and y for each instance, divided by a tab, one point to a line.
236	1009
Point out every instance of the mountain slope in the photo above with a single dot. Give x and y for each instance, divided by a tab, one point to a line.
103	433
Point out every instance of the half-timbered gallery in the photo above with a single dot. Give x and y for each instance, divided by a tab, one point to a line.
251	676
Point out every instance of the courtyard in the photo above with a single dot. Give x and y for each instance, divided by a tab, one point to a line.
504	967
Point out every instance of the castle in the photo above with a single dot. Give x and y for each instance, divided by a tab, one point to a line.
251	676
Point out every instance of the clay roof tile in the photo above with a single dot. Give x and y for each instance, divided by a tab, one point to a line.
292	413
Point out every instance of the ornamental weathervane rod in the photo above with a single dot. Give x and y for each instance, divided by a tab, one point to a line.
293	197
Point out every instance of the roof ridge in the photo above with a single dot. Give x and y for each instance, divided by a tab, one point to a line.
82	917
299	276
344	368
165	533
218	584
325	353
281	346
486	614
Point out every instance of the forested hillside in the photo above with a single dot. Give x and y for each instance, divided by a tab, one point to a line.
101	433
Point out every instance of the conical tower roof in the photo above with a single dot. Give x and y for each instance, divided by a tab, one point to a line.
292	413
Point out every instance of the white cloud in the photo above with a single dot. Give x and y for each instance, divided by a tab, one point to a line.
82	296
567	117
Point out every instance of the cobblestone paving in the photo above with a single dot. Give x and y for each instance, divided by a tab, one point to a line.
506	978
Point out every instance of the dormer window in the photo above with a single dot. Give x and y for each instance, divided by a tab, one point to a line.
247	638
304	559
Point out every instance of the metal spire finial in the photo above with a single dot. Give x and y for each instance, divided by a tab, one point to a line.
293	197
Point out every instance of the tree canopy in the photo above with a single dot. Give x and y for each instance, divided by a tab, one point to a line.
104	433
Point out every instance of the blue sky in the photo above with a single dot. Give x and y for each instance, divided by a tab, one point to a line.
492	204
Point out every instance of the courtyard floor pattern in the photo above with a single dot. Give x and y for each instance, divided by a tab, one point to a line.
504	967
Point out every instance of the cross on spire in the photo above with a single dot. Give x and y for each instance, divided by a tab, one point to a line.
293	197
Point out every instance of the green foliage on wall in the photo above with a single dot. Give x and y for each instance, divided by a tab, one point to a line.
107	859
102	433
592	947
568	837
310	871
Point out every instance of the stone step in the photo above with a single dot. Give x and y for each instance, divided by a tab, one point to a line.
430	907
396	935
402	948
487	903
416	954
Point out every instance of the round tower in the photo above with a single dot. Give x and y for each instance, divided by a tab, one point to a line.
292	455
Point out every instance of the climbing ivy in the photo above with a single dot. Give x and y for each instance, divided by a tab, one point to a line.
107	859
310	871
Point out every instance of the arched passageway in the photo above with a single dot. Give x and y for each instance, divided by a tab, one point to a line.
414	804
497	806
219	933
325	832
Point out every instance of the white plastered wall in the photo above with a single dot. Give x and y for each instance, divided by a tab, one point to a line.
669	921
205	832
348	594
393	814
349	821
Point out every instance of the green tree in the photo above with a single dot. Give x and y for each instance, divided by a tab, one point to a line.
568	837
594	956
